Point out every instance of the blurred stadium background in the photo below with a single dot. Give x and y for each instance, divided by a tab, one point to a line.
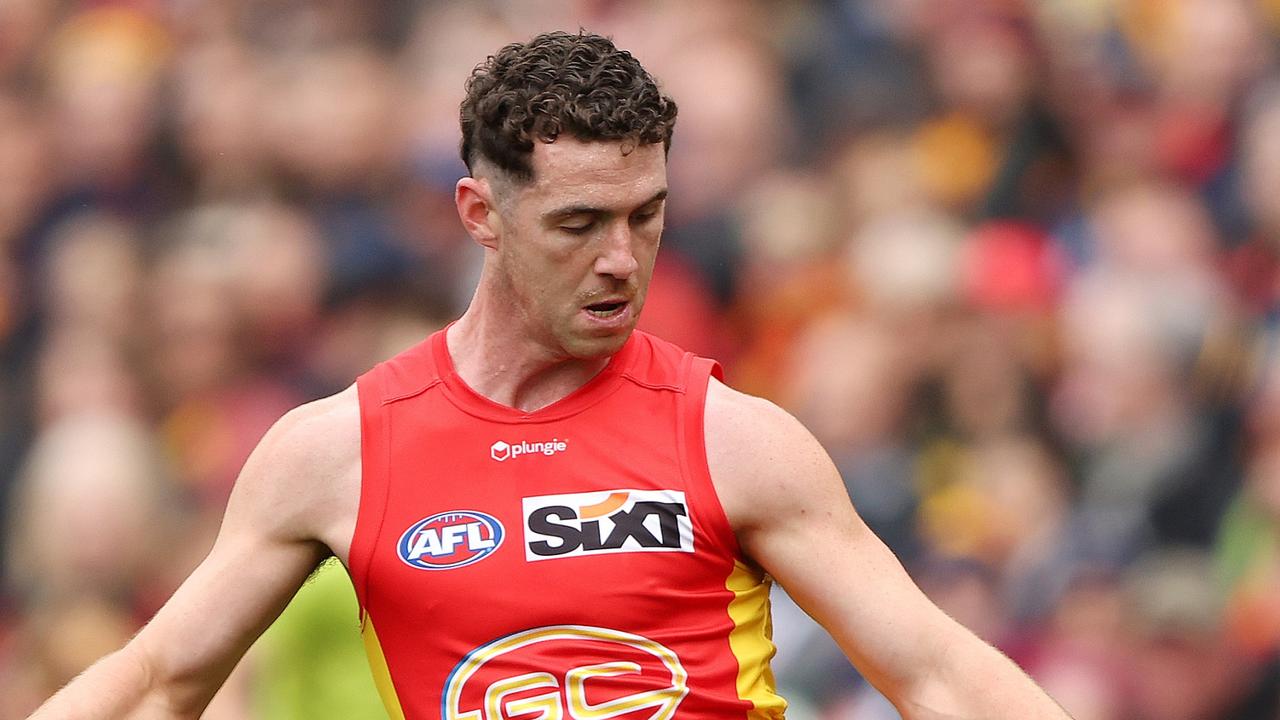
1016	263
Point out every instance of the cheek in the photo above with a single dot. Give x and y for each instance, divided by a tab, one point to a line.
647	251
540	277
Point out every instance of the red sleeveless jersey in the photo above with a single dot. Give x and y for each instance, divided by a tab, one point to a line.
572	562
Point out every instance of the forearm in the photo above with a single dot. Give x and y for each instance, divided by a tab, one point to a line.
974	680
119	686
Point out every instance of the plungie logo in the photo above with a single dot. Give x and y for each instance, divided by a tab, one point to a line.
501	450
450	540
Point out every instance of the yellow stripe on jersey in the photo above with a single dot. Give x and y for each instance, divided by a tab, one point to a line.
751	641
381	673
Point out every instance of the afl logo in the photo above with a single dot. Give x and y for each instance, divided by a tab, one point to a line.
450	540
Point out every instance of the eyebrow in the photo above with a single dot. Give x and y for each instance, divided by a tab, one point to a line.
572	210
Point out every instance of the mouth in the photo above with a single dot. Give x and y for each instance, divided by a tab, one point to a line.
608	309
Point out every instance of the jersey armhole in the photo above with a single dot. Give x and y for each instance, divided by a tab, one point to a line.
375	448
698	372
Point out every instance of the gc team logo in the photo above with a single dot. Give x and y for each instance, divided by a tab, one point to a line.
450	540
566	671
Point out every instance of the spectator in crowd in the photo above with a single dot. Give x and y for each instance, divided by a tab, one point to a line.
1016	263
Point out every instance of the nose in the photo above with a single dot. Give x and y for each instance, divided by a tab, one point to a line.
617	256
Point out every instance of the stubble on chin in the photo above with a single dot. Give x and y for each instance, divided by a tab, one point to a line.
596	347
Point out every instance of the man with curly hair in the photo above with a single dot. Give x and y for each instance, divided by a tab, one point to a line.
546	513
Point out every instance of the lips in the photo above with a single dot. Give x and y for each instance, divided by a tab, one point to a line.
607	308
609	315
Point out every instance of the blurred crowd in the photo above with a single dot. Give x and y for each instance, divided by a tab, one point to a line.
1016	263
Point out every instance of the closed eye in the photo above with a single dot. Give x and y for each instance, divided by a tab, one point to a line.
645	216
579	229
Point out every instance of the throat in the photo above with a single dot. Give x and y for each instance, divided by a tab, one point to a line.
532	391
523	379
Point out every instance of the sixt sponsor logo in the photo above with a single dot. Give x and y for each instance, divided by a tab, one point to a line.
450	540
612	521
501	451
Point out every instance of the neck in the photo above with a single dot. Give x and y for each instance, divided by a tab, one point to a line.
497	357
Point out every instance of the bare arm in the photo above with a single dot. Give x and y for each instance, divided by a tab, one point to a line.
291	503
789	509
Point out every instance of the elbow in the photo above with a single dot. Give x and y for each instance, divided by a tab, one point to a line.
975	680
171	691
947	676
927	698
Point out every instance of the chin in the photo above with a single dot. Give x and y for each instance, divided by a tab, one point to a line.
596	348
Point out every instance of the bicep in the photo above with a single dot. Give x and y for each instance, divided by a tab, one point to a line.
197	638
792	516
261	556
843	576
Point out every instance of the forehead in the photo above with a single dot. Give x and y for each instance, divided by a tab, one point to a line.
597	170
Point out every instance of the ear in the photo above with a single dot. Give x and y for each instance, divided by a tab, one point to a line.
478	210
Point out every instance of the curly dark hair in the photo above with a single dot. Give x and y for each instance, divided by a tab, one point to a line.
559	83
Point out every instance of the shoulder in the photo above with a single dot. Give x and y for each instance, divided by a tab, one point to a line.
762	459
748	431
314	436
303	477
